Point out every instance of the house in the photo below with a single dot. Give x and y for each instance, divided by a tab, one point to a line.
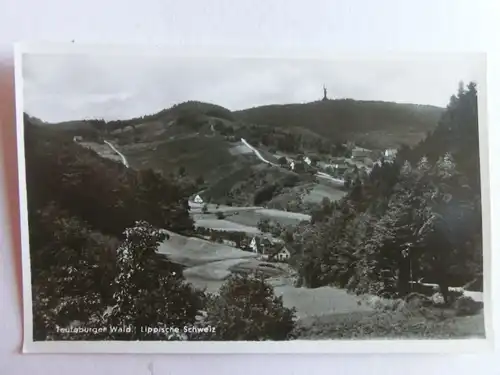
360	154
292	165
77	138
340	168
198	199
307	160
281	255
265	245
390	153
254	246
368	162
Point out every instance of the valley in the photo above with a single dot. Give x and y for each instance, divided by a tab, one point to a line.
336	224
208	264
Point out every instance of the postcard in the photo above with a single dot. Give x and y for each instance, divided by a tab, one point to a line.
207	202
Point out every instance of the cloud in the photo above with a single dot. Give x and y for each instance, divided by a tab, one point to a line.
60	87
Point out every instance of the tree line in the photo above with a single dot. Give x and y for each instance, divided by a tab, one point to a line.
416	218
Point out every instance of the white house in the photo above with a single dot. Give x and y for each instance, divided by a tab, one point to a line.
198	199
283	255
292	165
254	246
307	160
390	153
77	138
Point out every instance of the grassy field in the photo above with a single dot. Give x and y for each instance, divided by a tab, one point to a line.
190	251
225	225
251	218
206	156
391	325
323	313
324	190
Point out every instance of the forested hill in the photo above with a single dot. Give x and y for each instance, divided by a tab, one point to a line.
186	111
372	123
100	192
417	218
90	245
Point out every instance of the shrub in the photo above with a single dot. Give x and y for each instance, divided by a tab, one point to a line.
264	225
465	306
247	309
264	194
437	299
219	215
417	300
145	296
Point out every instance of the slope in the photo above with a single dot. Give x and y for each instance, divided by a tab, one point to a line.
371	123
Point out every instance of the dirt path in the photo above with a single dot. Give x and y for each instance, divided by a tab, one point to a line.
123	158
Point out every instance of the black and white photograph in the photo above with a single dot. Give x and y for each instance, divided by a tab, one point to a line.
206	199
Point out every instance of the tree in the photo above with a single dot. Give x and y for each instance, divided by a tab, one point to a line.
265	193
282	161
161	203
247	309
71	269
264	225
447	235
416	218
182	171
204	209
199	180
300	167
219	215
146	298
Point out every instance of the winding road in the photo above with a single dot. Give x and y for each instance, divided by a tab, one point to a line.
124	159
258	154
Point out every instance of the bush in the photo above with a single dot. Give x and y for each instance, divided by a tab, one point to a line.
264	194
282	160
219	215
247	309
143	295
417	300
264	225
465	306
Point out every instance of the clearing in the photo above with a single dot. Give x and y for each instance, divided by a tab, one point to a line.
209	264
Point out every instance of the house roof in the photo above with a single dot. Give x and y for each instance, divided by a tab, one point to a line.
277	251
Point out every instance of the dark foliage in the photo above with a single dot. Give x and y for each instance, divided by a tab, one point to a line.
103	193
419	217
338	120
247	309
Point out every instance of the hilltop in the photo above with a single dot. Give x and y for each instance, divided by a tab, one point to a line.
373	124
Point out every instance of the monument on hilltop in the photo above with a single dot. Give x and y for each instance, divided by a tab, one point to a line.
324	93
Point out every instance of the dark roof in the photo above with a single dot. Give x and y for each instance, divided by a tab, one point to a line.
277	251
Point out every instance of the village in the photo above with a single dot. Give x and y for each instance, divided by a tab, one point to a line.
360	159
261	238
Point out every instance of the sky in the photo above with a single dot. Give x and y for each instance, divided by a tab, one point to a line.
71	86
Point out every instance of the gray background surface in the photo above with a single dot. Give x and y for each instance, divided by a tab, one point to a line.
426	25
